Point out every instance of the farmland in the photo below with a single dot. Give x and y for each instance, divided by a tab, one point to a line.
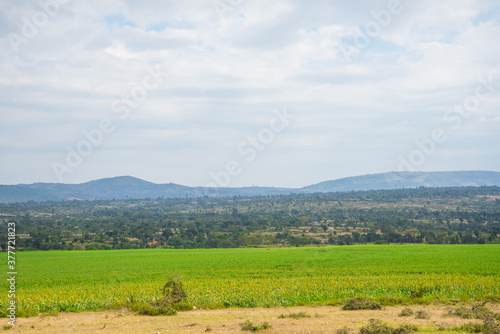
468	215
257	277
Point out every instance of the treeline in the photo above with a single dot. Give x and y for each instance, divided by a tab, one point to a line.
423	215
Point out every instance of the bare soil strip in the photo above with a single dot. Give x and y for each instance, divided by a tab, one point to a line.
323	319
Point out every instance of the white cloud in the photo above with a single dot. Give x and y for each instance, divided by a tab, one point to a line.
224	75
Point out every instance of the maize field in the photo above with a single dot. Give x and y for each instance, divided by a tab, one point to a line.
255	277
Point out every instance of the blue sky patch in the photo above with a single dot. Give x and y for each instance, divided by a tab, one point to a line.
119	20
490	15
175	25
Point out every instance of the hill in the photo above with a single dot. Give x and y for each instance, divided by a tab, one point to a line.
400	180
125	187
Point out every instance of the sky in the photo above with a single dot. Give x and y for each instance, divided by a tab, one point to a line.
283	93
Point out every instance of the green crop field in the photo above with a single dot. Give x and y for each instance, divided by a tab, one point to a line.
251	277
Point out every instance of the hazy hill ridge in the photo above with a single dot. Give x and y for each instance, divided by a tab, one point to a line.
123	187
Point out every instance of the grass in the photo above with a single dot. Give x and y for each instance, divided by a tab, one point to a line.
62	281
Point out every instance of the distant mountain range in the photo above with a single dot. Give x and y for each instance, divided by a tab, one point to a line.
127	187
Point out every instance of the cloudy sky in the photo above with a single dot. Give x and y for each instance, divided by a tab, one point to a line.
246	92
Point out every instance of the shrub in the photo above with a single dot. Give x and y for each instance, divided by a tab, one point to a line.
418	293
406	328
471	328
379	327
173	296
295	316
376	327
462	312
421	314
480	311
148	309
406	312
477	311
491	324
361	304
343	330
250	326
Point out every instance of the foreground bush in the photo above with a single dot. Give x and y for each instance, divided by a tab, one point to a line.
173	297
490	326
295	316
406	312
361	304
422	314
477	311
379	327
491	321
343	330
250	326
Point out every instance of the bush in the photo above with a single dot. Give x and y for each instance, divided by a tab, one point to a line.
376	327
250	326
343	330
379	327
361	304
418	293
421	314
295	316
149	309
471	328
462	312
491	321
173	297
406	328
406	312
491	324
477	311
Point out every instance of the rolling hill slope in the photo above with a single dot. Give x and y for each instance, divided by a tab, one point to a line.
398	180
125	187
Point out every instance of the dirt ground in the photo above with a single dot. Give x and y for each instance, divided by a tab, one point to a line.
323	319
